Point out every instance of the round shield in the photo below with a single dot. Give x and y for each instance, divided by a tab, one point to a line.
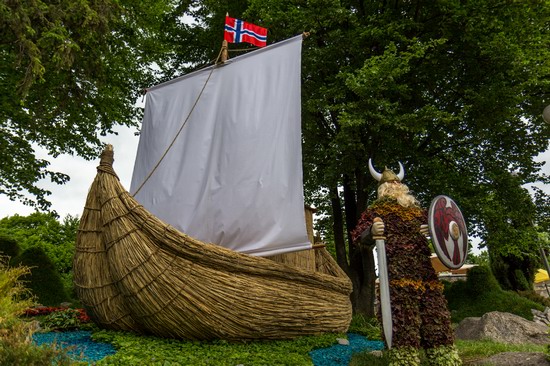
448	231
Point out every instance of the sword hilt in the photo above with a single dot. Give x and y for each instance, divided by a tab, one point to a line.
378	237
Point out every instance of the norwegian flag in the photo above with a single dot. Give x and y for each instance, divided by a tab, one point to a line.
237	31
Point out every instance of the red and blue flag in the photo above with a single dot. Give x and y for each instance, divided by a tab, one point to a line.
237	31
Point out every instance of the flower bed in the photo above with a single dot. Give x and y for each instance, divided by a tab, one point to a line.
81	314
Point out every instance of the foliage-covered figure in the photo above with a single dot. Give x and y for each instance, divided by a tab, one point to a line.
420	315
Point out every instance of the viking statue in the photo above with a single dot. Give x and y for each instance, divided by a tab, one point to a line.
419	314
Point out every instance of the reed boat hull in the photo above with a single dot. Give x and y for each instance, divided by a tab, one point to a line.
133	272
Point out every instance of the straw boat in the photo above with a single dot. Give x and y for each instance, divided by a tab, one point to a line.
135	272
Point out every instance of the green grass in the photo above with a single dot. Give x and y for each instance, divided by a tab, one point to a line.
469	352
135	350
474	350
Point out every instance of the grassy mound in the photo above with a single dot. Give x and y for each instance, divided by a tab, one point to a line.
481	294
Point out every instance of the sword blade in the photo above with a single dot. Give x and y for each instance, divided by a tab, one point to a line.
387	322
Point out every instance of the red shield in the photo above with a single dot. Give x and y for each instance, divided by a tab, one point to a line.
448	231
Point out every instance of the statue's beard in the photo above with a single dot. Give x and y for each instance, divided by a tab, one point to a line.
399	192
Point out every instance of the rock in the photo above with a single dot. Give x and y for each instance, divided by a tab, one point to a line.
65	305
468	328
377	353
542	317
343	341
503	328
514	359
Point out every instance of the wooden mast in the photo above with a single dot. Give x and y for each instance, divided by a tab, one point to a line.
224	52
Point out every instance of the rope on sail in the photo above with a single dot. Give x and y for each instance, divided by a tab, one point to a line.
179	131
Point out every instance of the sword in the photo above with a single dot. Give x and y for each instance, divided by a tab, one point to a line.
385	304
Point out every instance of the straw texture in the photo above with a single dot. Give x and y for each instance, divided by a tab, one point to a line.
133	272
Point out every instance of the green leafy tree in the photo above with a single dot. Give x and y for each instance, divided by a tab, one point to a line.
453	89
69	71
508	212
43	230
481	259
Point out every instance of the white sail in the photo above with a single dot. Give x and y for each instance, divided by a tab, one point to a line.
234	175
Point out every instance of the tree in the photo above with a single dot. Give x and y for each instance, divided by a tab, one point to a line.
43	230
453	89
70	70
508	213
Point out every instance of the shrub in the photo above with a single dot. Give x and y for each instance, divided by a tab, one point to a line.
9	246
481	280
16	347
12	293
368	327
44	280
64	319
521	281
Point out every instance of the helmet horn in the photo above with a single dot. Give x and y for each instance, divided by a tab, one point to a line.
401	173
373	172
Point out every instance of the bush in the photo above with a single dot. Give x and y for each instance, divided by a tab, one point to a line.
64	319
480	281
16	347
9	246
521	281
12	293
368	327
44	280
481	294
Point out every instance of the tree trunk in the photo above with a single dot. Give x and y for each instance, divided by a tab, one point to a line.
361	267
338	230
363	295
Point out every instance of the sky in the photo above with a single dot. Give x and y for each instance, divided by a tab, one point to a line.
69	199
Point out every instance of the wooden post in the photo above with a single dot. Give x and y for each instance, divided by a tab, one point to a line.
225	53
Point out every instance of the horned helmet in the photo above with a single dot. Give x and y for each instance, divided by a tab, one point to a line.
387	175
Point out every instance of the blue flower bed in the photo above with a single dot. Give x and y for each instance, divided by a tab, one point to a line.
340	355
81	341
